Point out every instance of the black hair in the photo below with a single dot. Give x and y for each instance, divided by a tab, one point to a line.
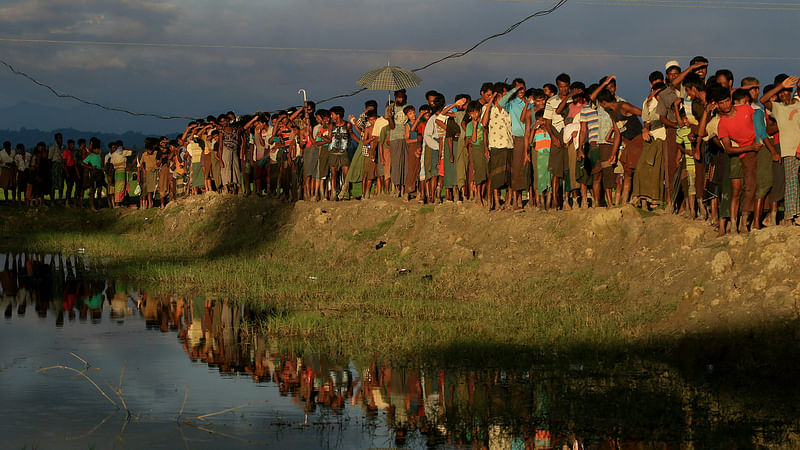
603	80
57	135
563	78
338	110
487	86
539	93
693	80
20	147
606	96
406	109
371	113
425	107
95	142
222	116
740	94
372	103
529	92
726	73
70	141
438	104
460	96
718	93
592	87
780	78
582	96
112	143
518	81
658	87
499	87
311	104
550	86
655	76
7	145
400	91
474	106
81	141
538	114
431	94
577	85
698	59
211	119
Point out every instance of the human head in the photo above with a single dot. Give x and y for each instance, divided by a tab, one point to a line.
400	97
474	109
550	89
768	88
741	97
487	89
694	85
606	99
722	96
20	148
465	97
655	77
611	86
519	84
562	83
370	104
337	113
430	96
753	87
58	138
425	111
7	146
672	70
81	143
725	78
410	113
701	71
500	88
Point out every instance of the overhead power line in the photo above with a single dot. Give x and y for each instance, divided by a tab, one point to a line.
453	55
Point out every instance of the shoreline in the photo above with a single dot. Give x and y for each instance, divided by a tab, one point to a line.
447	274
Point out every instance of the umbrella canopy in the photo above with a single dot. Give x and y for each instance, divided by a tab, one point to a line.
389	78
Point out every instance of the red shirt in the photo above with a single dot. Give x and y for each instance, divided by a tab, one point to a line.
739	128
68	157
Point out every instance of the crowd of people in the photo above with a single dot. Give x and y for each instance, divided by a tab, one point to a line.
698	145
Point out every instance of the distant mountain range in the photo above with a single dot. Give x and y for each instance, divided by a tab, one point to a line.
27	123
29	138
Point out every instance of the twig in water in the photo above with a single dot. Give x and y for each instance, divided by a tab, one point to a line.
231	436
94	428
203	417
119	391
85	363
185	396
84	376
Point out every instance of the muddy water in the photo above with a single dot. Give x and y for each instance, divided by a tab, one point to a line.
204	360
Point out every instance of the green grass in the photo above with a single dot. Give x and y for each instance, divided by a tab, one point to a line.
358	302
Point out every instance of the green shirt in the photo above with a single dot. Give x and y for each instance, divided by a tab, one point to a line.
93	160
479	139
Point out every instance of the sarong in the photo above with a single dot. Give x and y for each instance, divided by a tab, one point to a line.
518	164
480	169
120	184
543	176
648	182
57	175
311	162
500	167
450	169
398	152
197	175
412	174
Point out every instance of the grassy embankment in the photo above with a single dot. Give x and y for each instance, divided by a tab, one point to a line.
341	295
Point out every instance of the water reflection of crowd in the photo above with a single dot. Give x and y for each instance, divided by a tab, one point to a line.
428	405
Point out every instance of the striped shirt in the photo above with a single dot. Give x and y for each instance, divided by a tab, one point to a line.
589	115
541	140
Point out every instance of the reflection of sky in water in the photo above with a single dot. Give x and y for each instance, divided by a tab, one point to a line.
42	408
640	400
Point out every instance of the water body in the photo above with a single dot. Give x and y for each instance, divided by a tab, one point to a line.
203	359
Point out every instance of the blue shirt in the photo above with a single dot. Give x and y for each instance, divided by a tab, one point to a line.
514	106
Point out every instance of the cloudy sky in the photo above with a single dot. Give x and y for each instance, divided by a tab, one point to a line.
196	57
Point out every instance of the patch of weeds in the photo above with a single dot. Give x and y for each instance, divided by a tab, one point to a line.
373	233
645	213
425	210
720	244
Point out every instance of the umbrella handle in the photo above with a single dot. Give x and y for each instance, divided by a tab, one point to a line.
304	95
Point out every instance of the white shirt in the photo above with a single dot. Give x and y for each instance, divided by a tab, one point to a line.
5	158
429	136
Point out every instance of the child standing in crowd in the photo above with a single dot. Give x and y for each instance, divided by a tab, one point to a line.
549	142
